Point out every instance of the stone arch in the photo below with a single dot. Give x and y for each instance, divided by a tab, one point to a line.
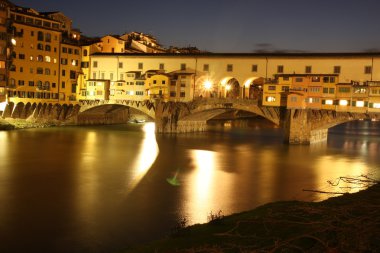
17	111
146	106
253	87
42	111
27	111
210	108
230	88
55	111
63	113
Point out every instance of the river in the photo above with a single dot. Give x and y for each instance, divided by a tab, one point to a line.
104	188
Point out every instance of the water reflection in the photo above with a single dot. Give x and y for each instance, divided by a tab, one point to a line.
202	185
335	167
72	192
146	156
4	172
88	177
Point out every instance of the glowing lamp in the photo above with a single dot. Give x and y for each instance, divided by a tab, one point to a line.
208	84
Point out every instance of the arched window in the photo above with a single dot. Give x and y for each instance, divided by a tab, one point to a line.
40	46
47	58
40	58
47	85
47	48
47	71
40	70
85	52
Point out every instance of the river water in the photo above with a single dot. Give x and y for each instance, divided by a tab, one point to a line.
102	189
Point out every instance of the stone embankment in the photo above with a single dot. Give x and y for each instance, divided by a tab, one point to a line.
12	124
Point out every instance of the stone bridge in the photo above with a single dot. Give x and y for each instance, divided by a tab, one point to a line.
300	126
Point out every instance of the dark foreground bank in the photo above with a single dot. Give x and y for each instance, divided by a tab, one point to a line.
349	223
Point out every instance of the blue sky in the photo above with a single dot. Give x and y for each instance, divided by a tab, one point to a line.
231	25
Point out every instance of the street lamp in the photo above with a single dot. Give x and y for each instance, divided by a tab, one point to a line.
208	85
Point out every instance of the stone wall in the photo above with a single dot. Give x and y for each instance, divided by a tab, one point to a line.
38	115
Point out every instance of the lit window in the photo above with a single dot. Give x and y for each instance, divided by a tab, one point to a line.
329	102
359	103
270	99
376	105
47	58
343	102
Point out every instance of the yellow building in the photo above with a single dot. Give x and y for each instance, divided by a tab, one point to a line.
98	89
374	96
135	86
46	60
87	49
329	92
5	49
34	73
157	86
70	66
275	92
112	44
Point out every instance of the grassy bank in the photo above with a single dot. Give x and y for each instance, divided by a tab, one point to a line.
349	223
11	124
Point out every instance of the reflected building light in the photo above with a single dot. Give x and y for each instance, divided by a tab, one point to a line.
331	168
3	149
146	155
88	151
5	171
88	177
201	185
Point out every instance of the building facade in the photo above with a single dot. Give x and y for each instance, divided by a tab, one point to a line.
5	48
239	75
45	58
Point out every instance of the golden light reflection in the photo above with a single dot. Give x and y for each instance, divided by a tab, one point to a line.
201	190
87	176
147	154
331	168
87	192
4	171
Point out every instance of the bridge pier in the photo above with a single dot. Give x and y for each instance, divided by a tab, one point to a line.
298	128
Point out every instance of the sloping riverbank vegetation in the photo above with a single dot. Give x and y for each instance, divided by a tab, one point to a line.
348	223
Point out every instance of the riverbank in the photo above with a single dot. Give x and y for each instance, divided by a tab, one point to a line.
12	124
349	223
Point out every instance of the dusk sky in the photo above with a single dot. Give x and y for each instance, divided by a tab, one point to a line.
231	25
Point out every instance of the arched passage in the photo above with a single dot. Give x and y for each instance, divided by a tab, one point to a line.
110	114
229	88
253	88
